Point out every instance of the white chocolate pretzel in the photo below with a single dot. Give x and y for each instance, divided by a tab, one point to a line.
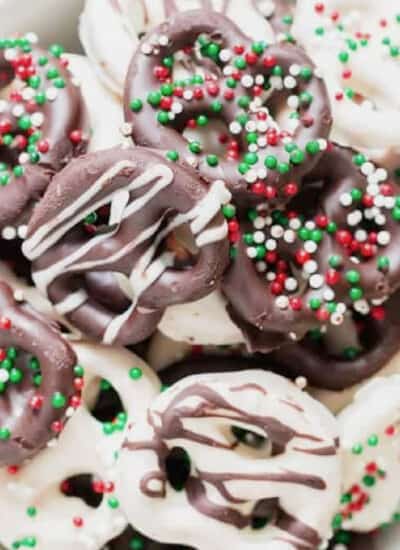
30	498
289	481
355	46
370	440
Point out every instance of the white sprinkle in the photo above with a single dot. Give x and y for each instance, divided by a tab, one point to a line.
301	382
336	318
282	302
354	218
10	54
247	81
262	126
51	93
277	231
259	222
361	235
251	126
270	244
276	82
235	127
18	110
259	237
290	82
295	224
4	375
146	48
251	252
28	94
176	107
381	174
188	95
37	119
294	69
259	80
271	276
22	231
341	307
390	202
310	225
383	238
328	295
316	281
262	173
379	201
163	40
310	247
289	236
367	168
261	267
345	199
361	306
3	105
9	233
310	267
323	144
225	55
291	284
253	148
293	102
380	219
251	176
23	158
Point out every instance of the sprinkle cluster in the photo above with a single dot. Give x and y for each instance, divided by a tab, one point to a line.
253	139
285	248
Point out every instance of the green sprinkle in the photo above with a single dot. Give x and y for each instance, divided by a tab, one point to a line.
136	105
216	106
212	160
154	99
173	156
4	434
16	376
56	49
195	147
368	480
31	511
58	400
356	293
167	89
24	123
202	120
353	277
135	373
163	118
357	449
271	162
373	440
313	147
113	503
383	263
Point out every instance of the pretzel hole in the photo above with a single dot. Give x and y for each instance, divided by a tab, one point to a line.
182	244
177	465
85	487
265	513
106	406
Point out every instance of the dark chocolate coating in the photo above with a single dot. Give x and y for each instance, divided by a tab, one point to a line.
183	29
32	335
357	541
308	358
62	115
252	306
105	300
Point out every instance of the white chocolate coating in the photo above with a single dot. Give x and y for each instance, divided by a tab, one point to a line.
371	122
205	322
197	414
105	112
368	423
81	449
109	29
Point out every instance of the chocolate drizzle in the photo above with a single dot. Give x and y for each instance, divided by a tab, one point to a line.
206	403
89	276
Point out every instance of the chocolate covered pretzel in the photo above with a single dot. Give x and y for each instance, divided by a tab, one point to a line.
332	250
36	380
233	493
246	85
105	246
43	124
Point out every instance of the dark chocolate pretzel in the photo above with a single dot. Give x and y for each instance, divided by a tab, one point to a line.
37	380
379	336
241	83
332	249
43	123
99	241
